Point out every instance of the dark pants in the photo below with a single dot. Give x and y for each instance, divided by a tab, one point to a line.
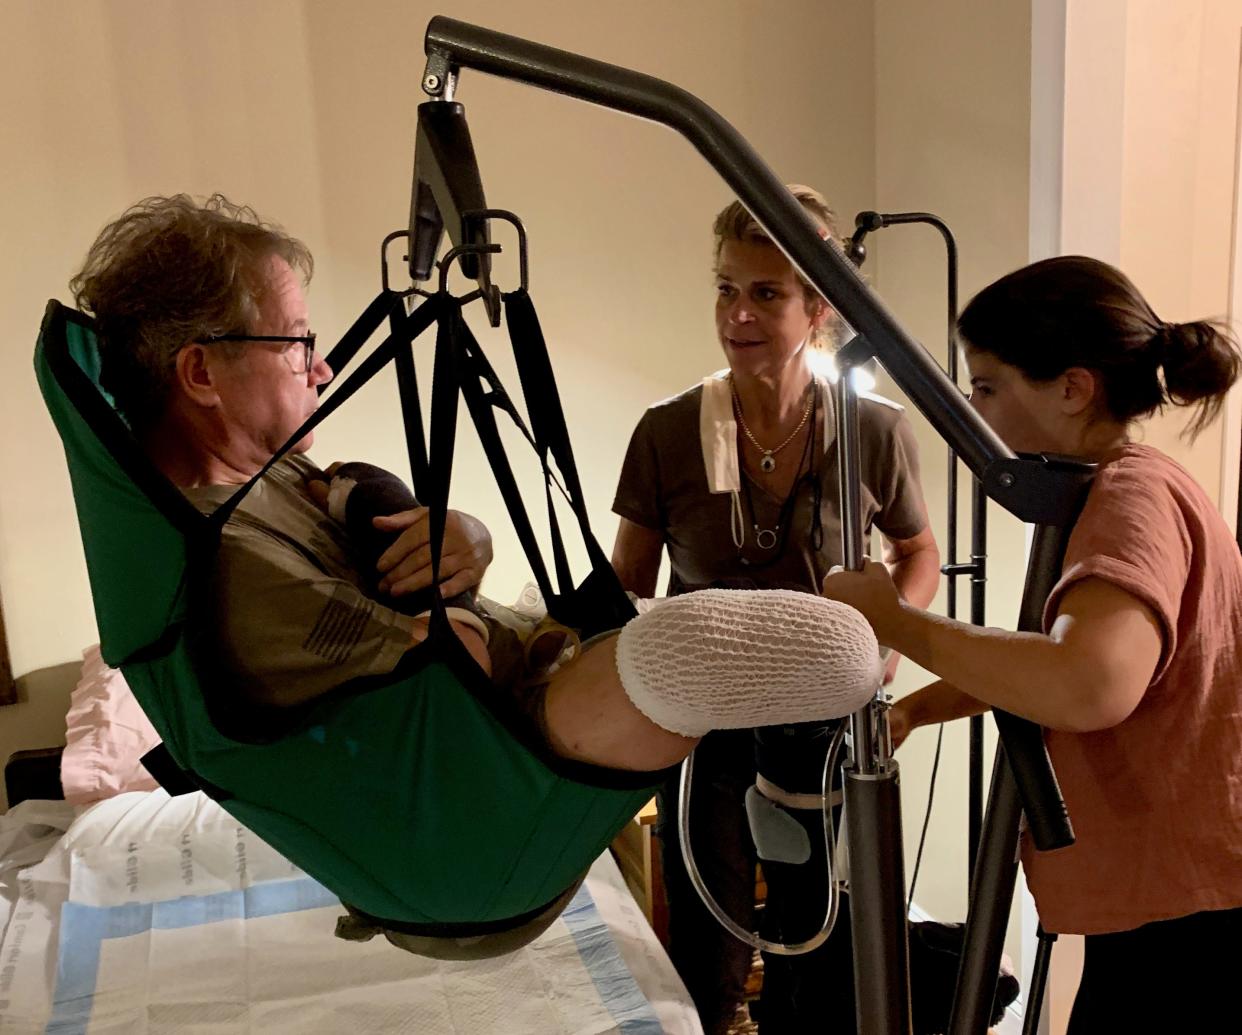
1170	976
713	964
815	991
800	993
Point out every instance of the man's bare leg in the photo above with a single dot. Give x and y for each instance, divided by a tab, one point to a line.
715	659
590	718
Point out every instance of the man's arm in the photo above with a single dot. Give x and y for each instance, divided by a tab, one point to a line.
403	538
406	563
470	637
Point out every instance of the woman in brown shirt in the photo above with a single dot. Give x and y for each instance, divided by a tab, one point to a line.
737	478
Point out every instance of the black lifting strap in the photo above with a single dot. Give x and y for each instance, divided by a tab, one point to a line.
547	417
444	391
599	604
411	411
407	329
164	769
392	305
386	303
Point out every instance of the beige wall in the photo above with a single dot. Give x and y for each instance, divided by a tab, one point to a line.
1149	182
1149	174
952	127
1179	188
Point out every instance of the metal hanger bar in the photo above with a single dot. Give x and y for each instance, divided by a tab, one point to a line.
1025	487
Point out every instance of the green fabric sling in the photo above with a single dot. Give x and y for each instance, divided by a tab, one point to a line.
416	798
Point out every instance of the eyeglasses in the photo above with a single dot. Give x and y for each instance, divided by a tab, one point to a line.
307	341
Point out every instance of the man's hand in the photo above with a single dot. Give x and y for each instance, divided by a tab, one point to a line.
406	564
870	591
317	489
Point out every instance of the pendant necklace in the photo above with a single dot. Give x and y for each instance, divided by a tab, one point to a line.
767	464
769	539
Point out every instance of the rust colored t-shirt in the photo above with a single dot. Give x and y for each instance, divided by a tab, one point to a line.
1156	801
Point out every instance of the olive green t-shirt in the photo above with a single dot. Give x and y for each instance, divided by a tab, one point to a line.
664	486
290	618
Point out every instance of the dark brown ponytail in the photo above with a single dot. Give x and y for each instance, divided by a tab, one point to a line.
1074	311
1200	362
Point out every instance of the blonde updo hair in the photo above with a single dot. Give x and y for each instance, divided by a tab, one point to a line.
735	223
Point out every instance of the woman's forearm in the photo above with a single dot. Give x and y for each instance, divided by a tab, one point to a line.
1063	680
1024	673
1088	673
939	702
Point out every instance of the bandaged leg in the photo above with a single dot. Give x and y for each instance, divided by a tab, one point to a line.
731	659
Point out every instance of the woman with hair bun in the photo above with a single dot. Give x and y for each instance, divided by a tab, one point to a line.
1137	677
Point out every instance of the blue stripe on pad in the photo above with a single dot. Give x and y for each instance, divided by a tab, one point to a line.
617	988
83	930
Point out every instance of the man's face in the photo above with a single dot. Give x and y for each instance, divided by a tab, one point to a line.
263	400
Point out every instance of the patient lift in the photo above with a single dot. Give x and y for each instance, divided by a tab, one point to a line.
1044	491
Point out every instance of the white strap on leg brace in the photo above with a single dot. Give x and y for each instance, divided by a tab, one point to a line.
732	659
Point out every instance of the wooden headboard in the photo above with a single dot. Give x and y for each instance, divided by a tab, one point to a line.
34	731
8	688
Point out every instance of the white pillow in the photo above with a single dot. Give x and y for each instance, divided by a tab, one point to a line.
106	735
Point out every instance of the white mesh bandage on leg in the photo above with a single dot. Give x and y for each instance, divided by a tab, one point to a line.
730	659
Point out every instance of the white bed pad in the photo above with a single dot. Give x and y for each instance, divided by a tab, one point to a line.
151	914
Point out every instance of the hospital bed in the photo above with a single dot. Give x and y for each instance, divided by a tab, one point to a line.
145	913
